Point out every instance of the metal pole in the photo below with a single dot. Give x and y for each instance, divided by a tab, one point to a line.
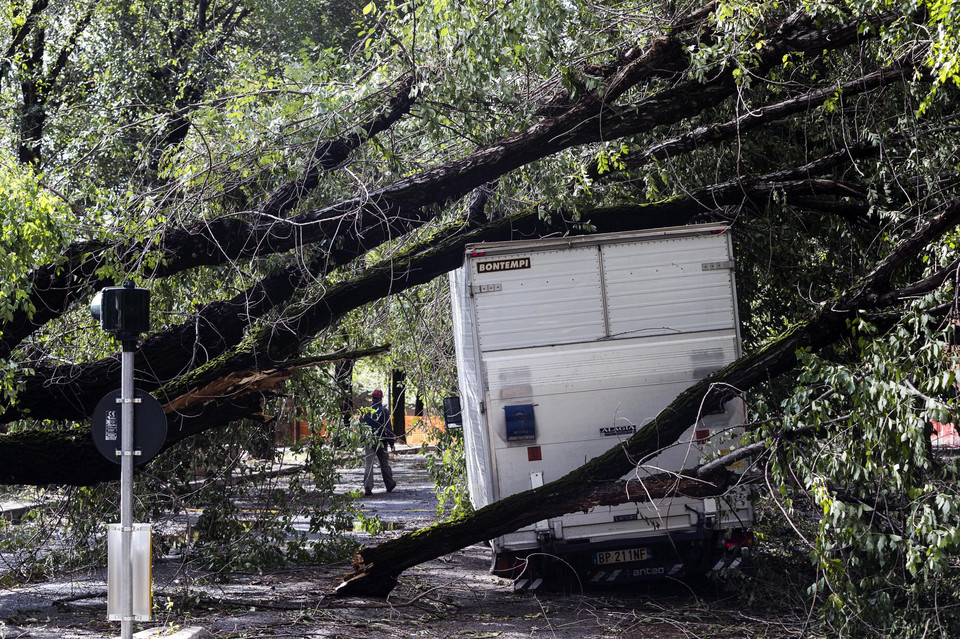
126	491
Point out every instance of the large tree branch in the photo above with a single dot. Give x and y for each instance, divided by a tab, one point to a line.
759	117
330	153
40	456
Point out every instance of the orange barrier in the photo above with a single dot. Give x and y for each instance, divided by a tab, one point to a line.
421	430
418	430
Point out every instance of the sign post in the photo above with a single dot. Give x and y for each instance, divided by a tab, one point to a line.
124	312
126	488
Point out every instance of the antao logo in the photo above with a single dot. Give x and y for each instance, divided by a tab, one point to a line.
616	431
496	266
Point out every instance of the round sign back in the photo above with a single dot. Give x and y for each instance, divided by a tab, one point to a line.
149	426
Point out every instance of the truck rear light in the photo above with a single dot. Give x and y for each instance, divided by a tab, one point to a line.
701	435
508	566
534	453
739	539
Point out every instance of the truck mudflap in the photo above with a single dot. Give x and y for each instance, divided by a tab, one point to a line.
737	547
628	574
575	566
536	569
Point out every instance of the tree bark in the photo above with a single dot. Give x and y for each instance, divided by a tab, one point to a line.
343	378
376	569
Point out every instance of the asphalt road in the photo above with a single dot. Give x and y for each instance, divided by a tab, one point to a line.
453	596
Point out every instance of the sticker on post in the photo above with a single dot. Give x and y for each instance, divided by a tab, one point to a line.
110	431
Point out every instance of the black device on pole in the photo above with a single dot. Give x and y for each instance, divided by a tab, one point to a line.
452	414
123	311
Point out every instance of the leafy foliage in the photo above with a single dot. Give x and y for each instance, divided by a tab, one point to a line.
447	467
34	224
883	501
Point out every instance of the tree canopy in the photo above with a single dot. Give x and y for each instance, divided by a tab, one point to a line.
271	172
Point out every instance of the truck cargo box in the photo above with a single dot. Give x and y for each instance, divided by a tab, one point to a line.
566	346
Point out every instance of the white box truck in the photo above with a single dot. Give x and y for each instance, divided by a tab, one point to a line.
566	346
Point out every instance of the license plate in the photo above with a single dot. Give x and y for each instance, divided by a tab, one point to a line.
621	556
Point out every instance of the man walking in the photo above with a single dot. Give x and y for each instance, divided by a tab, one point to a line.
378	419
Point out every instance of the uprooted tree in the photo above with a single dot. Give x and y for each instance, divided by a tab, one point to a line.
271	179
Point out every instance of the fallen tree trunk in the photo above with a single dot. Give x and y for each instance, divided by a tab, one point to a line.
376	569
40	457
272	347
